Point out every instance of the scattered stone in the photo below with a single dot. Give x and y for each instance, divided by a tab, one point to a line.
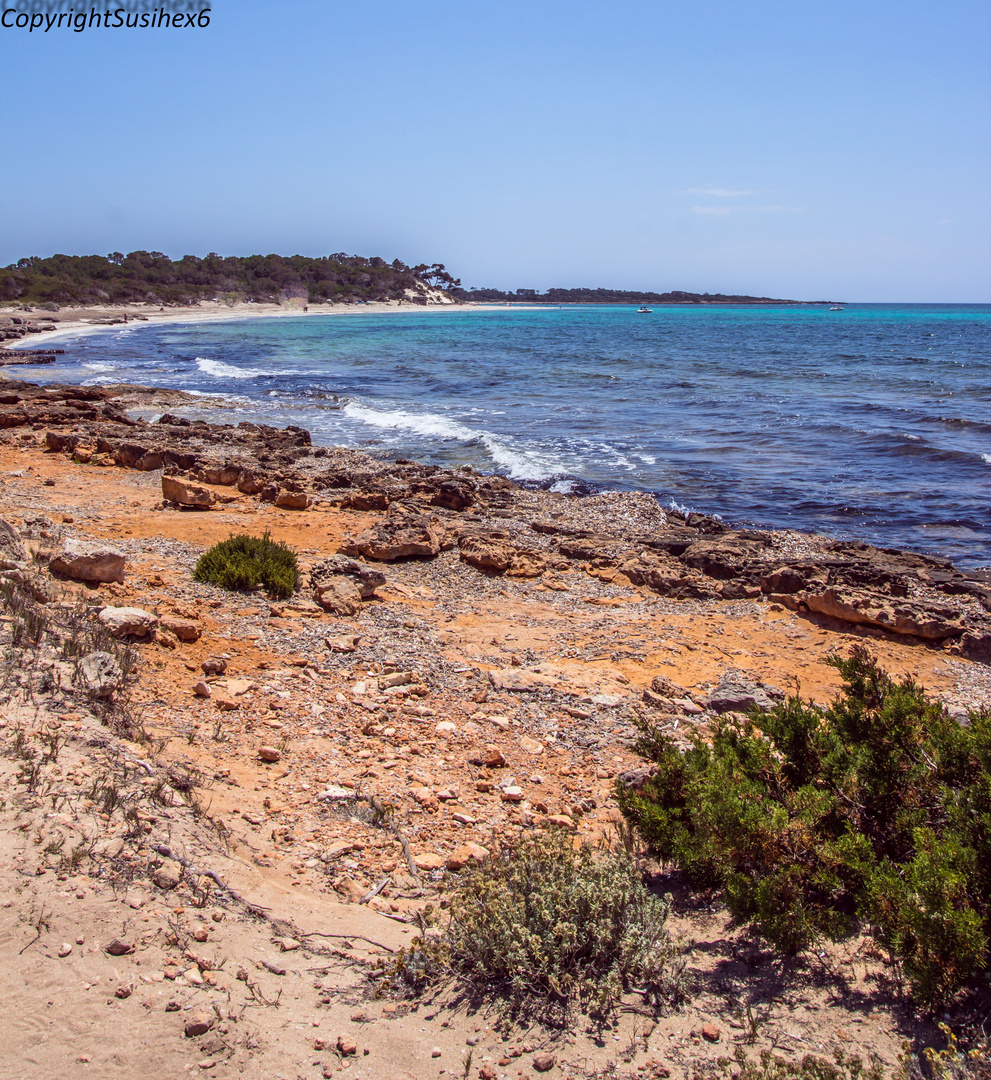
198	1023
184	629
187	493
128	621
531	746
89	562
340	596
737	693
429	860
463	855
214	665
711	1033
12	549
346	1046
168	875
119	947
201	689
64	949
445	727
343	643
544	1062
269	753
100	674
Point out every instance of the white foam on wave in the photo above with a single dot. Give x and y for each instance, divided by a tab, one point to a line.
987	458
100	367
219	370
521	464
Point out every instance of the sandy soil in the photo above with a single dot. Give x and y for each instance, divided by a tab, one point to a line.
308	684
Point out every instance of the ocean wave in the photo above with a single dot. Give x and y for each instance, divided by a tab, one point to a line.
518	463
100	367
219	370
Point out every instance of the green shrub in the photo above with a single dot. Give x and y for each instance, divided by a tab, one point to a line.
241	563
546	925
876	811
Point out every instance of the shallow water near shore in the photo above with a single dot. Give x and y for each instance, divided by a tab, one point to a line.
872	423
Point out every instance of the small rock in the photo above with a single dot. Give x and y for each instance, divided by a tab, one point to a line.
198	1023
184	629
531	746
168	875
544	1062
123	992
214	665
346	1047
119	947
201	689
710	1033
429	860
100	674
462	856
89	562
269	753
512	794
445	727
128	621
435	1053
64	949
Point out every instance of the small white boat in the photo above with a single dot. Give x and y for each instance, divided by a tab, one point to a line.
645	311
837	307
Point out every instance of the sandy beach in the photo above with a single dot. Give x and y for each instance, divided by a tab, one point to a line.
73	321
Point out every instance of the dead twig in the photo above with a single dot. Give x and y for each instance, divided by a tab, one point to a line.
168	853
372	893
353	937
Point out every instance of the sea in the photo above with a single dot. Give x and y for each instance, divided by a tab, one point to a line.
870	423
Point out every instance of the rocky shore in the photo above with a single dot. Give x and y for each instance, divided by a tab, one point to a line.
470	655
499	528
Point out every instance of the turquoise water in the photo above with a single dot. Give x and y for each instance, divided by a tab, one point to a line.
873	422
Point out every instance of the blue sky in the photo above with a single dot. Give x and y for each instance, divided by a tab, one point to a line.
800	150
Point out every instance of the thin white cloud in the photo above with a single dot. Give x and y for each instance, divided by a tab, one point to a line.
719	193
710	209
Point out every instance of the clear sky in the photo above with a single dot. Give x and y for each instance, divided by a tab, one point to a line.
804	150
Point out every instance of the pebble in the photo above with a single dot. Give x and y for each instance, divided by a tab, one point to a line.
269	753
198	1023
544	1062
64	949
202	690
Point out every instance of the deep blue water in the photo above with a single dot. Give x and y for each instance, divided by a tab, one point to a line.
873	422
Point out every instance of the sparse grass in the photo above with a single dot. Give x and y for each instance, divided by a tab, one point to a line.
241	563
546	926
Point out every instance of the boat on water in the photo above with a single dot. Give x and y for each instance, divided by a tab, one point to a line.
645	311
837	307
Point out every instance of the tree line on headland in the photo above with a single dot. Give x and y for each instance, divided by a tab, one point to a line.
152	277
606	296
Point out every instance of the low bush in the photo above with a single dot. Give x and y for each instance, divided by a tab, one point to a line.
241	563
547	926
875	812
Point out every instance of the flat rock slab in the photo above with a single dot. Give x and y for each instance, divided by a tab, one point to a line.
89	562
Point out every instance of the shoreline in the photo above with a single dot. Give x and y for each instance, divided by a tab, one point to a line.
503	525
82	321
